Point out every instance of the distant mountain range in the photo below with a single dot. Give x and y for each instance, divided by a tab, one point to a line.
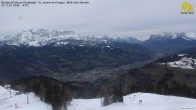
43	37
168	43
66	52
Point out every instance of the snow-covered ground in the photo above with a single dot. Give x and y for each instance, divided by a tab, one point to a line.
19	102
184	62
131	102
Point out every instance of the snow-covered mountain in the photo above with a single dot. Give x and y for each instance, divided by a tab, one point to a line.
127	39
42	37
169	43
39	37
172	36
191	36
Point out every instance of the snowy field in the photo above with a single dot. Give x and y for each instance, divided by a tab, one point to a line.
131	102
19	102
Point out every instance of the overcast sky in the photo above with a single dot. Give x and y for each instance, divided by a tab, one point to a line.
136	18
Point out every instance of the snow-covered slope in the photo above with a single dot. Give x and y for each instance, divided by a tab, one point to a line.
19	102
131	102
184	62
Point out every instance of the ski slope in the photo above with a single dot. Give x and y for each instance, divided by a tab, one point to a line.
131	102
19	102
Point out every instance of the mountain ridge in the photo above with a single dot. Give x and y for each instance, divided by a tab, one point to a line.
168	43
43	37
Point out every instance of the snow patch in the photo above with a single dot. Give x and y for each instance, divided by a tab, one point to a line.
184	62
181	55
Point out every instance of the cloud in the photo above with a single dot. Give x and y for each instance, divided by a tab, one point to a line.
136	18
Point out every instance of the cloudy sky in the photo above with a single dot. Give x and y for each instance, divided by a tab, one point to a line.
137	18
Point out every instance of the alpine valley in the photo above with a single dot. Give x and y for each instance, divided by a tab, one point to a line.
58	66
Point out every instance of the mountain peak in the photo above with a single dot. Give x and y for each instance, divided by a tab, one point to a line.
39	37
170	36
43	37
191	35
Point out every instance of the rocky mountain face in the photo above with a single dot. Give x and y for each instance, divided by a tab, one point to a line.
168	43
43	37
